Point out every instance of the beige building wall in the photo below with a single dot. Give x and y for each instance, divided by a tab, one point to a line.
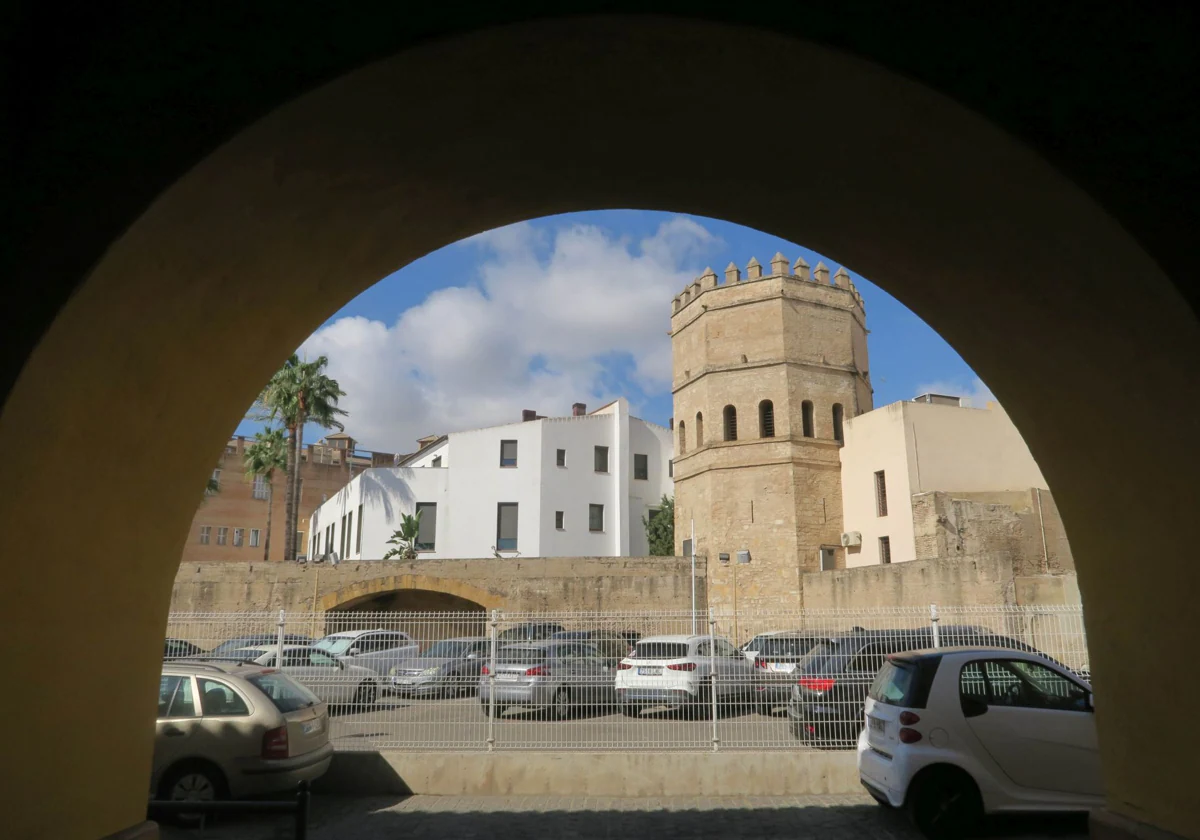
924	447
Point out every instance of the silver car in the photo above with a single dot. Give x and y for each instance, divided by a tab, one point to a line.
448	668
557	678
335	682
379	650
776	657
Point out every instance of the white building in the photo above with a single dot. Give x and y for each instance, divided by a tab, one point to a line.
546	487
930	444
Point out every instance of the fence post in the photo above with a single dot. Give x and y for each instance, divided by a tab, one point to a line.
303	796
933	619
491	730
279	640
712	680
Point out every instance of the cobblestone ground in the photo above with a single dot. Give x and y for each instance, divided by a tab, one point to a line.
584	818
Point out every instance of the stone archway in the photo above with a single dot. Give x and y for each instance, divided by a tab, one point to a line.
388	593
1053	303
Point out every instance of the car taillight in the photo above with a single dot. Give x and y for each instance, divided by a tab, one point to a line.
819	684
682	666
909	736
760	663
275	743
624	666
485	671
909	718
538	671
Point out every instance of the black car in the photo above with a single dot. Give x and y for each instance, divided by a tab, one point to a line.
176	648
832	680
533	631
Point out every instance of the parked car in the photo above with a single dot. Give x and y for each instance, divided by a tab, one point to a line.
176	648
447	668
258	640
559	678
827	700
953	733
379	650
679	671
613	646
335	681
227	730
630	636
534	631
775	657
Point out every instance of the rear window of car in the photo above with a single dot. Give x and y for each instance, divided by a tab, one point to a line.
285	693
785	646
660	650
904	682
823	657
520	655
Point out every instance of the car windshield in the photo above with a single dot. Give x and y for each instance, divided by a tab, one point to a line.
336	645
893	683
785	646
247	654
660	650
520	655
287	694
449	649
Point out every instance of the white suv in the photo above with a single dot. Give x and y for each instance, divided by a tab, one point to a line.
953	733
679	671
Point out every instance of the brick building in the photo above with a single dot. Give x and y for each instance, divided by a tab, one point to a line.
231	524
766	370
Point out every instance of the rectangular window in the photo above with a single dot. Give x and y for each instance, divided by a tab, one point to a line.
880	494
562	457
427	533
508	453
671	468
437	462
559	519
595	517
299	542
349	531
205	533
506	526
239	536
342	544
260	487
222	534
602	459
255	536
885	550
216	477
358	538
641	467
652	514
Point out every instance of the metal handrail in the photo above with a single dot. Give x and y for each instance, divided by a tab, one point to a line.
299	807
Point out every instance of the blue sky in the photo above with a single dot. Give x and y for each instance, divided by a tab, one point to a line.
563	309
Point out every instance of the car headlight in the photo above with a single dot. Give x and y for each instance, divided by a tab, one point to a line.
429	672
392	671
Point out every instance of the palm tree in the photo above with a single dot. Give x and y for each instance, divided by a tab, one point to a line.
268	453
404	539
299	393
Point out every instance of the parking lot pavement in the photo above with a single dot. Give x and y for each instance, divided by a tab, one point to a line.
582	818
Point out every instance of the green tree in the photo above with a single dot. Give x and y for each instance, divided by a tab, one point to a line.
268	453
404	539
660	529
299	393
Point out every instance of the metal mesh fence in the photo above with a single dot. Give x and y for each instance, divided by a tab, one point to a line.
607	681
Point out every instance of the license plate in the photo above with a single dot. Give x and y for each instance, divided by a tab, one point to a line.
506	677
783	667
312	726
650	672
876	724
402	680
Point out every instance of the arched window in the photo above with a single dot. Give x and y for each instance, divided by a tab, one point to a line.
766	419
806	417
837	422
730	423
682	438
699	429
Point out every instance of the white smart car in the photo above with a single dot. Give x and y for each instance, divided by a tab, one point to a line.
953	733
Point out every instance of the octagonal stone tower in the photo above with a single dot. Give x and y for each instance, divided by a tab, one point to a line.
766	368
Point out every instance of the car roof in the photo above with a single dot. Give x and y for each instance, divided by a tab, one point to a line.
465	639
931	653
198	666
681	638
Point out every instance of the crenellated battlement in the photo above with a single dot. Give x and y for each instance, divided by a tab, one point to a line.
799	271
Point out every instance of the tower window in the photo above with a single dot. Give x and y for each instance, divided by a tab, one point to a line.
699	429
766	419
806	416
880	494
682	438
885	550
837	422
730	423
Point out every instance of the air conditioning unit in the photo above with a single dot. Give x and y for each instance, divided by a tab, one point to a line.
851	538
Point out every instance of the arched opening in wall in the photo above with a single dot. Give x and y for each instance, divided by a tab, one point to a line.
424	615
806	419
682	437
766	419
838	413
730	418
699	429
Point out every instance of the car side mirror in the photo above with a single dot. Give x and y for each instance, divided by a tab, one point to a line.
973	707
353	652
472	656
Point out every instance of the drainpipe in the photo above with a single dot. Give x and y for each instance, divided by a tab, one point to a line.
1042	523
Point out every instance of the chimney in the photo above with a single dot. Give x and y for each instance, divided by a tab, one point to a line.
578	410
528	415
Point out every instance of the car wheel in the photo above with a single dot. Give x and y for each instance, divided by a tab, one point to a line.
488	711
702	708
366	695
945	804
630	710
192	783
560	704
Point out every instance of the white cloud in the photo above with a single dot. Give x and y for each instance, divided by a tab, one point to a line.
560	303
975	393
